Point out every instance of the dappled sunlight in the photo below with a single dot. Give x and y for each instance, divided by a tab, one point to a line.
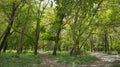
105	57
59	33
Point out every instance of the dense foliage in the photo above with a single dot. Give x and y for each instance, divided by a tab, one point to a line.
69	25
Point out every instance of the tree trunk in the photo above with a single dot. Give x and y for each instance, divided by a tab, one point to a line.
19	50
10	23
91	43
56	41
6	35
37	37
5	47
106	41
73	50
58	35
111	43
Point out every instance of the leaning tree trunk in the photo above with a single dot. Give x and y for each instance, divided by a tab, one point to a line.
74	49
6	35
6	43
11	18
5	47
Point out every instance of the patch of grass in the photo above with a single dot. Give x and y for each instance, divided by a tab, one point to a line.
14	60
113	53
117	64
73	60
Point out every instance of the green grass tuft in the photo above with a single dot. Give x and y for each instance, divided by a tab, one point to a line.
14	60
73	60
117	64
113	53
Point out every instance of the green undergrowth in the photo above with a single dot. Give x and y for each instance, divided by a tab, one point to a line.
113	53
65	58
22	60
117	64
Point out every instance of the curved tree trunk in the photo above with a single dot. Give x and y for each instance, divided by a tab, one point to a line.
11	18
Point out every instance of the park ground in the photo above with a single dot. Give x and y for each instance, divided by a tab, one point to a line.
45	59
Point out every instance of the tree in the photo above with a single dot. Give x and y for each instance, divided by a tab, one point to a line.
11	14
60	15
83	23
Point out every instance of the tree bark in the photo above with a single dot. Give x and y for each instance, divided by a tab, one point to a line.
57	40
5	47
37	37
91	43
37	32
10	23
73	50
106	41
111	43
19	50
57	37
6	35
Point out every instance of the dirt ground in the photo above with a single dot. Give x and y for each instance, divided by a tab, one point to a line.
104	61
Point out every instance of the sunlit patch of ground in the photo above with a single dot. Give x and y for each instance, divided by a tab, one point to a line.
104	61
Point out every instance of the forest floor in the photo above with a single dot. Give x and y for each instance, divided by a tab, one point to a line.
49	62
105	60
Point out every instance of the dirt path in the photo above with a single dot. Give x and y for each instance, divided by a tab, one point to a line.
49	62
105	61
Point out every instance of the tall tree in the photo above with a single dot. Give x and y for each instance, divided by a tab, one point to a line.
11	15
61	12
39	15
83	23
